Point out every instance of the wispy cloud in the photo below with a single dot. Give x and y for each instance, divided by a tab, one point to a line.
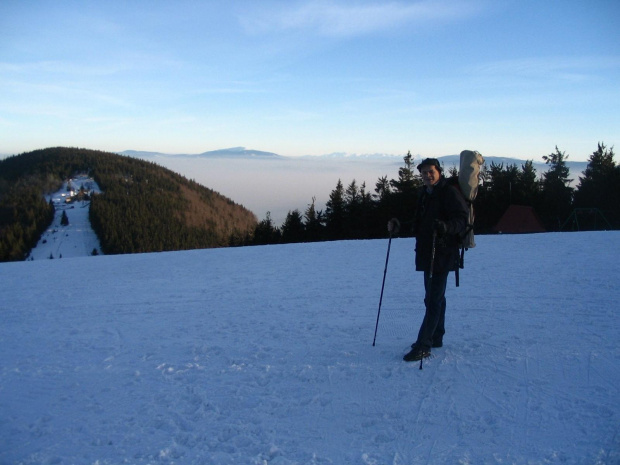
56	67
120	63
57	99
345	19
231	87
548	68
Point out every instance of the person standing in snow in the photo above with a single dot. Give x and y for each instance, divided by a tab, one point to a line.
441	212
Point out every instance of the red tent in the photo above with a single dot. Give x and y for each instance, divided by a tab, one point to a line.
519	219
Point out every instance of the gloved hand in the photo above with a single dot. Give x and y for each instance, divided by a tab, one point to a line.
440	227
393	226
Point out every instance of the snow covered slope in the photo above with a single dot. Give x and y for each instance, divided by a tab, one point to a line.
264	355
76	239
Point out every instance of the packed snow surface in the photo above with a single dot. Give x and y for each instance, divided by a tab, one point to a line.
263	355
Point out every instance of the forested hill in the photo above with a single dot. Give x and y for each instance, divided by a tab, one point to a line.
143	206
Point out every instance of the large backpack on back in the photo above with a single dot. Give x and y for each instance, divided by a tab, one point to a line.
469	176
468	180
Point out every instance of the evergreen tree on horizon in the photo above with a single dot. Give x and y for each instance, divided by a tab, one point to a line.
599	187
557	194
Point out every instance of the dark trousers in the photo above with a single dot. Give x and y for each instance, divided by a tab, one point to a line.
432	328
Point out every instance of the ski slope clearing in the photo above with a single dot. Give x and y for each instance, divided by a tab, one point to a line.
263	355
76	239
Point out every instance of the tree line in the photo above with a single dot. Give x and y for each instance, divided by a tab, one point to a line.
353	211
147	208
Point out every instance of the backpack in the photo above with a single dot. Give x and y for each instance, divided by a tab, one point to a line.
467	185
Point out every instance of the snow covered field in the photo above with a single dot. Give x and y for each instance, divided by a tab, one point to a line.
264	355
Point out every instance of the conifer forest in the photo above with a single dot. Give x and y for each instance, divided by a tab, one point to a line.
144	207
354	211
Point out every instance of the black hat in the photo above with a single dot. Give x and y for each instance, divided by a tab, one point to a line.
430	162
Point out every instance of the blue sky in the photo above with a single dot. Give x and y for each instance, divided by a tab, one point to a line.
507	78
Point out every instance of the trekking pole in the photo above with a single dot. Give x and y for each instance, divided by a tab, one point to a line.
382	286
430	275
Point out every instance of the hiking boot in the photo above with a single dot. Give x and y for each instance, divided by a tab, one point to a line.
417	354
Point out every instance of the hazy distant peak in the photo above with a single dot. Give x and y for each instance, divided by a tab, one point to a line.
232	152
236	152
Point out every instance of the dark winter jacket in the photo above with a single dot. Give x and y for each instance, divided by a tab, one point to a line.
445	203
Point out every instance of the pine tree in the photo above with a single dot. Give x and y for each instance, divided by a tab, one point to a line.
405	188
313	223
528	190
494	196
265	232
406	177
595	186
557	194
383	190
335	213
600	186
293	227
352	203
371	225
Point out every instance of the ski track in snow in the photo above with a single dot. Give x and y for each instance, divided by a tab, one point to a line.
263	355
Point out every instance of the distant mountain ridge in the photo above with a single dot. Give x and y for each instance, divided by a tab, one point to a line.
575	167
233	152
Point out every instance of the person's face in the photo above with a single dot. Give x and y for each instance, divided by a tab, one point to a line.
430	175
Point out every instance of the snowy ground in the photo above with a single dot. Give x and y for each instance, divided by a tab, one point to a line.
76	239
263	355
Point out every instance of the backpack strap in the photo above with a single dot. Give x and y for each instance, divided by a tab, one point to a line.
461	265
